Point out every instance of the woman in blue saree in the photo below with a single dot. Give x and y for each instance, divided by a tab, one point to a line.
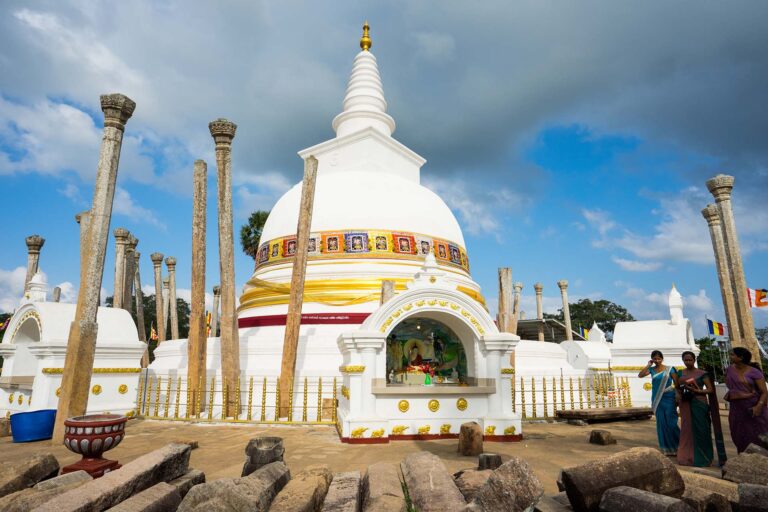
664	399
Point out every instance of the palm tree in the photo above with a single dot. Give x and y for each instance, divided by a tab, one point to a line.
250	233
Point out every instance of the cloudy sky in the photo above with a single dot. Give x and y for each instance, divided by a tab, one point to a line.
571	139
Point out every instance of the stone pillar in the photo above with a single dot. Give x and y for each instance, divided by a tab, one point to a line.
712	216
215	313
130	272
122	238
56	294
140	306
34	244
166	307
518	286
223	131
387	290
81	346
170	262
504	315
539	309
198	336
563	285
721	187
157	263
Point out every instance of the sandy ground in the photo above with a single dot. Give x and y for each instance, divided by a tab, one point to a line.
548	447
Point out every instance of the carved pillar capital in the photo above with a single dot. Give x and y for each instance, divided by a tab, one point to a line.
34	243
538	287
117	109
222	131
721	187
157	258
217	290
122	236
170	262
711	214
562	284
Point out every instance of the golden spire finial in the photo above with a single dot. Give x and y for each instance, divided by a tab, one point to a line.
365	41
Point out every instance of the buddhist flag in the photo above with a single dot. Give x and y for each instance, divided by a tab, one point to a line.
584	333
757	298
152	333
5	324
715	328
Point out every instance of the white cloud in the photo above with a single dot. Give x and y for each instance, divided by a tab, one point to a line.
259	191
124	204
68	292
600	220
637	266
11	288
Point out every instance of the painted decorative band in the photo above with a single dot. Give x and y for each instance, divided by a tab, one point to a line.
59	371
352	369
306	319
365	242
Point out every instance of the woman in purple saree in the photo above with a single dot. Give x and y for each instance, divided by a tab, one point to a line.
747	394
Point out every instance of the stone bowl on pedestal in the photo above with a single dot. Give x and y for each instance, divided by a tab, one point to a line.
90	436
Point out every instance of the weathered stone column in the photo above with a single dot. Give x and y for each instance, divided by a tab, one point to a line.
157	263
712	216
140	307
170	262
81	347
539	309
518	286
721	187
56	294
563	285
215	312
166	306
130	272
504	315
198	336
34	244
122	238
387	290
223	131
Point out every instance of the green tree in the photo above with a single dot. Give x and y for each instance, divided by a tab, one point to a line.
604	312
250	233
3	327
711	357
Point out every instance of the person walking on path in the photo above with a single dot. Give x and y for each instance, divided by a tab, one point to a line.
699	415
747	394
664	397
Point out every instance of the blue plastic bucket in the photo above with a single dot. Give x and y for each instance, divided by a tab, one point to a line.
33	425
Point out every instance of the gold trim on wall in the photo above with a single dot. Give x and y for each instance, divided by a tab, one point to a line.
60	371
352	369
619	369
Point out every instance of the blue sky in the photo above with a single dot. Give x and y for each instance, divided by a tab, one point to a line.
571	141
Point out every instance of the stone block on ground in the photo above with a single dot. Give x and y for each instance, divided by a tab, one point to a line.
344	493
577	422
161	465
18	475
471	439
5	427
28	499
560	486
489	461
261	451
704	500
763	438
629	498
641	468
187	481
191	442
305	492
252	493
382	489
469	481
753	448
158	498
601	437
729	490
64	480
512	487
747	468
753	498
430	486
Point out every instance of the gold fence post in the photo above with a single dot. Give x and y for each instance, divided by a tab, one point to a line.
149	395
629	393
304	407
210	397
319	399
522	397
178	399
190	398
140	397
554	397
238	397
197	405
264	400
603	393
158	383
335	402
570	388
277	399
167	397
534	412
512	392
290	403
250	398
224	400
562	393
586	389
581	393
544	394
